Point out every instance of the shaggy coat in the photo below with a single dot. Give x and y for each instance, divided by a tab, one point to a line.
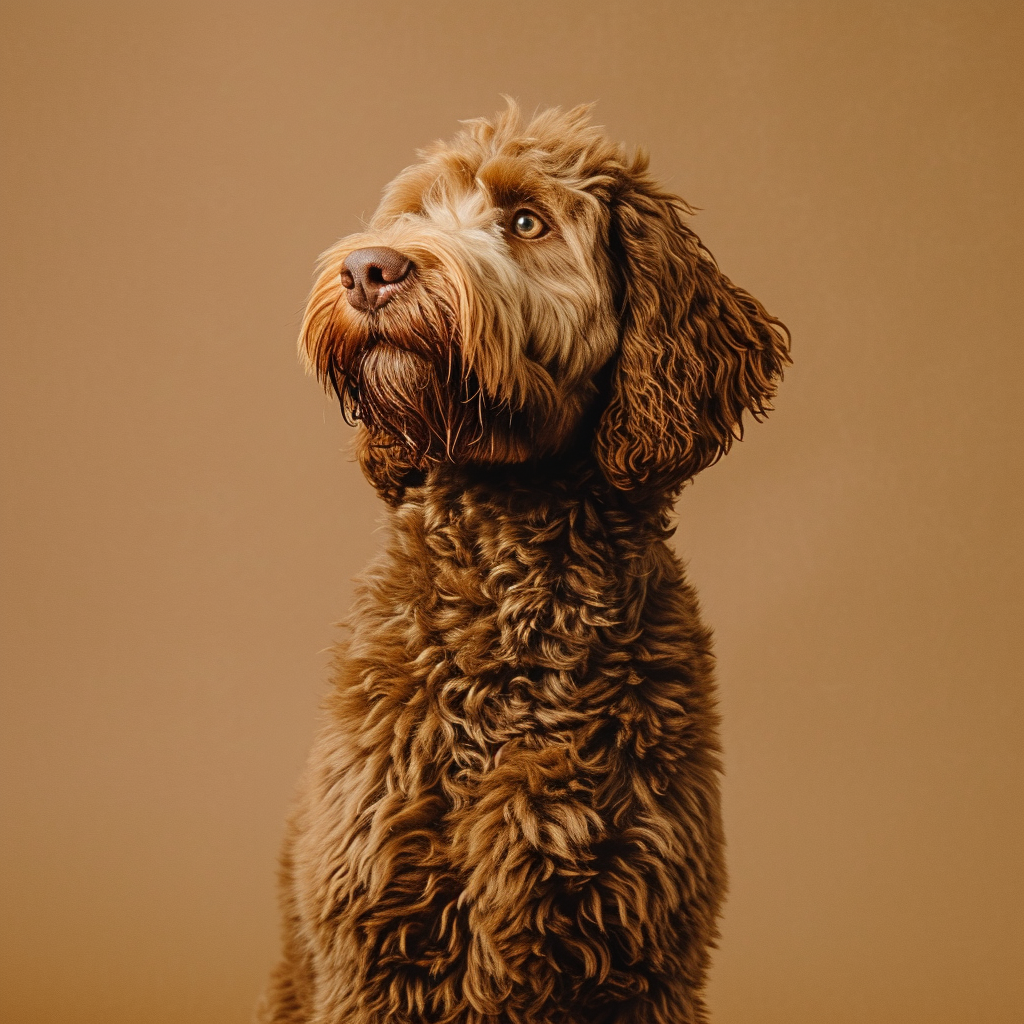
511	812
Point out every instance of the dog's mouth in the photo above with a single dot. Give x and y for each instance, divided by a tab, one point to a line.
386	344
407	366
391	363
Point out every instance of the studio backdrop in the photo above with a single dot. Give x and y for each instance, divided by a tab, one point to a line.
182	518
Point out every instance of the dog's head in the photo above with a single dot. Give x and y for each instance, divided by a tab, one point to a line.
525	283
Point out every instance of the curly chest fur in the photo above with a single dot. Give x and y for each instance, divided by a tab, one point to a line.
512	810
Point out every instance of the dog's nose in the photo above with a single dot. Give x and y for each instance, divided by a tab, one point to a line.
372	276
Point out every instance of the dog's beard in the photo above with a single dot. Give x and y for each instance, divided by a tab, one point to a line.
432	404
401	372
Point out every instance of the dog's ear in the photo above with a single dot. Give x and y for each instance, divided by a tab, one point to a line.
695	350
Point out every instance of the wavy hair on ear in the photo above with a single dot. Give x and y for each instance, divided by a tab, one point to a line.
695	350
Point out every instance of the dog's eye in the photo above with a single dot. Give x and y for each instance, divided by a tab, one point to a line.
526	224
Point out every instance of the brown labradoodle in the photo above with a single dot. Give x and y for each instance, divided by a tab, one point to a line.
511	813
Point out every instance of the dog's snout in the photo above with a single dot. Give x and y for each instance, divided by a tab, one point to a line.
372	276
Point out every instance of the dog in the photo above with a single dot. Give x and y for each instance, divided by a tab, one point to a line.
511	813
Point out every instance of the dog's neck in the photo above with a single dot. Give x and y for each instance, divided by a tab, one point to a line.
525	572
558	513
538	492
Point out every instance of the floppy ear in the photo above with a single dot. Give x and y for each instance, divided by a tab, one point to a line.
695	350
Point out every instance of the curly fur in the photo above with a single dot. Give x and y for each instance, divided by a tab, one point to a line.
511	812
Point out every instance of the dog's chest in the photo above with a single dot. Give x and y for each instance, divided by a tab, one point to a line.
513	622
507	711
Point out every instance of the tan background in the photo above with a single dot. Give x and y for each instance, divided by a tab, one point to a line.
181	523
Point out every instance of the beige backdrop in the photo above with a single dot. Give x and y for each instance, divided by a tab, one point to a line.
182	521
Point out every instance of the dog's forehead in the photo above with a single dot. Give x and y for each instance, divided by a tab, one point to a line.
516	173
510	180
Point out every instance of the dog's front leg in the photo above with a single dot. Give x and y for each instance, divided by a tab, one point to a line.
289	994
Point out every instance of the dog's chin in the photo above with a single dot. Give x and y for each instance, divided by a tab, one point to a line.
429	404
386	362
421	396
